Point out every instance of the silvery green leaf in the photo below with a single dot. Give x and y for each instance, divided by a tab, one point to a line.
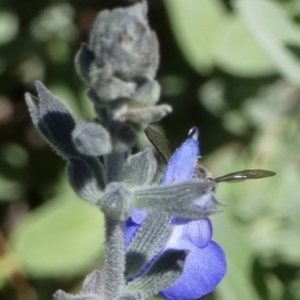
140	168
53	120
116	201
148	93
83	60
141	115
91	139
162	273
187	199
148	241
93	283
84	181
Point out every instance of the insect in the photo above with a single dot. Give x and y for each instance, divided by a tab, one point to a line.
161	144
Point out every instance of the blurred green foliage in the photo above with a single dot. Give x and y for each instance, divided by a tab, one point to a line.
232	68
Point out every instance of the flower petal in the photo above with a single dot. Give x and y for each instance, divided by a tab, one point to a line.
198	232
138	216
181	165
133	223
204	268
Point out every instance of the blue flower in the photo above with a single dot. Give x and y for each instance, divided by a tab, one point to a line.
205	265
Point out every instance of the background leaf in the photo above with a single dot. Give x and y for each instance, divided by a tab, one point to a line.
276	32
60	238
196	25
237	51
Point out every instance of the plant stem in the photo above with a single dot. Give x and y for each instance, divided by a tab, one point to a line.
114	259
114	165
115	247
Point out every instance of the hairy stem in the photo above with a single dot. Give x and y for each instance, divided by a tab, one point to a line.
115	249
114	259
114	165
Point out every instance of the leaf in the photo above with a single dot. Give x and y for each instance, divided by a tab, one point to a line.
196	25
276	32
59	239
238	52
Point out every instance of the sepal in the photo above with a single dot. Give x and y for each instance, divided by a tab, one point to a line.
147	242
141	115
91	139
140	168
191	200
84	181
162	273
116	201
83	61
53	120
148	93
109	87
93	283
